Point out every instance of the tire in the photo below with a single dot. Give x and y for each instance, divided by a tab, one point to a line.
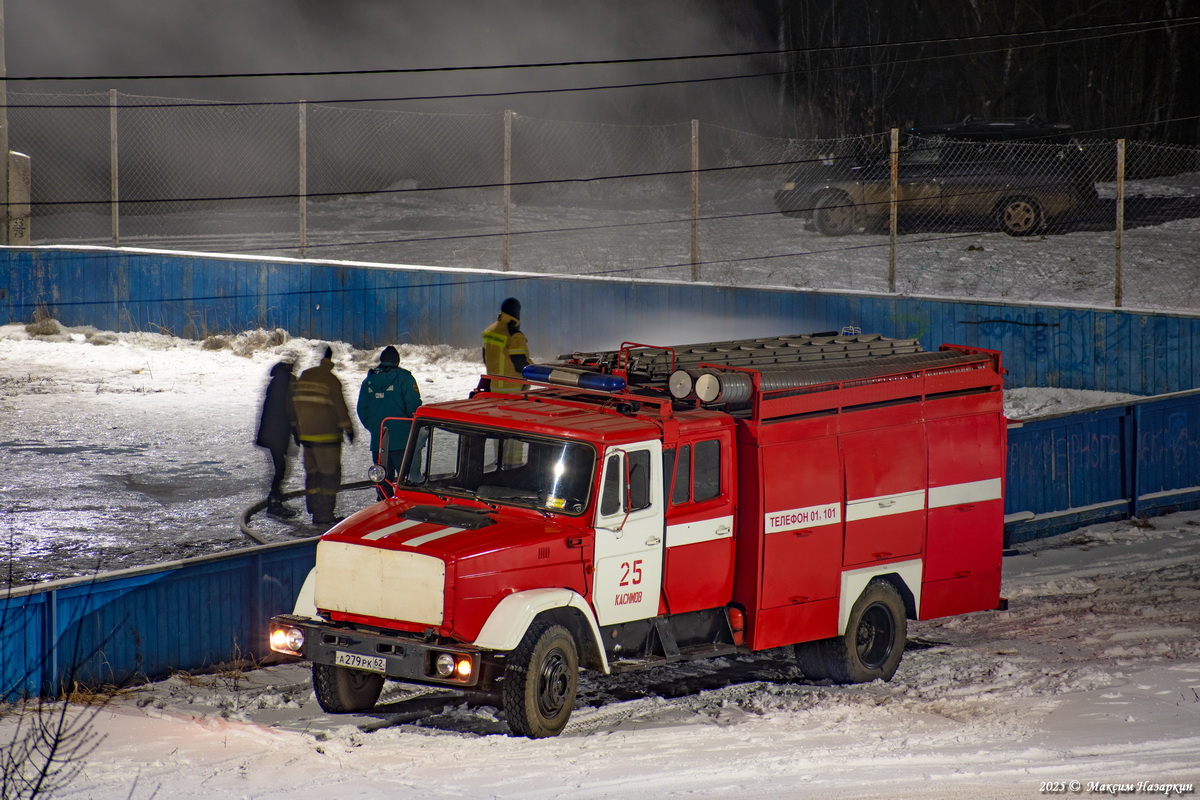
871	647
541	678
834	215
341	690
1020	216
810	657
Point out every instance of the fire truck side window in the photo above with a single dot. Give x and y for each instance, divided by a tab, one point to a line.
683	476
610	500
708	470
668	471
639	479
697	473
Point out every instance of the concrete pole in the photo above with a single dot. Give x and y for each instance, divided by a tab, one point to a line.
1119	240
893	204
505	264
114	169
302	175
695	200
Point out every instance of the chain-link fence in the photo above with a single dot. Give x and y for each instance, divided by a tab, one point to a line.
1094	222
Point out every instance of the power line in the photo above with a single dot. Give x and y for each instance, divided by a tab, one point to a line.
599	87
1122	28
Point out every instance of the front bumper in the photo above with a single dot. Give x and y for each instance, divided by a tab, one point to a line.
397	656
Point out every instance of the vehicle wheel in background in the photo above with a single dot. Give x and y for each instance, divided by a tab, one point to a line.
540	681
1020	216
341	690
834	215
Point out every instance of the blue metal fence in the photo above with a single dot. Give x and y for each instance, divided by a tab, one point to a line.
1132	460
190	295
1137	459
186	615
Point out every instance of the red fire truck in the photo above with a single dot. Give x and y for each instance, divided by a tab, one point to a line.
655	504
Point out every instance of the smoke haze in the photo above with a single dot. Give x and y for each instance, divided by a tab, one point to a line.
157	37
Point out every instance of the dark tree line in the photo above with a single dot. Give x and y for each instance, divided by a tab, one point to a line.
863	65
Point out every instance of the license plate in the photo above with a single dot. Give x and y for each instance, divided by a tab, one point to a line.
355	661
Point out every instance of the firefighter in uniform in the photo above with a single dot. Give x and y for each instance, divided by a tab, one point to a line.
505	349
506	353
320	419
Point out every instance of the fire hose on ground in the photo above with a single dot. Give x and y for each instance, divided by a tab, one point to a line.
244	519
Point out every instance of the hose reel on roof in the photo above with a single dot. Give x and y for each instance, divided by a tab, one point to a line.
733	387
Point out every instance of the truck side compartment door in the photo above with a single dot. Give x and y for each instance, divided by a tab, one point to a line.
627	585
966	515
885	493
802	527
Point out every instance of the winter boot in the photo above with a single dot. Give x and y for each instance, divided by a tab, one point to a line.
276	508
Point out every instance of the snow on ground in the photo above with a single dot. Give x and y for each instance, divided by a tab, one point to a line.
1091	679
1093	675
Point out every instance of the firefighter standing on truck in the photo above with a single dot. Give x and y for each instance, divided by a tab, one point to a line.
320	419
505	349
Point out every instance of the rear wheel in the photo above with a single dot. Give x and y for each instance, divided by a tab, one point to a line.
871	647
1020	216
540	680
341	690
834	215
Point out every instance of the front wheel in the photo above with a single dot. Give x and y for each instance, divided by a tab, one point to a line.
342	690
1020	216
871	647
540	681
834	215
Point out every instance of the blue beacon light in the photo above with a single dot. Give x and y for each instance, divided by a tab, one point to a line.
565	376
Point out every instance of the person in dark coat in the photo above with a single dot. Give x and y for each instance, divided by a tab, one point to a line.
320	419
389	390
275	434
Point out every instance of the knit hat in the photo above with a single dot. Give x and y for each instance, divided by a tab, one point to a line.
389	356
512	307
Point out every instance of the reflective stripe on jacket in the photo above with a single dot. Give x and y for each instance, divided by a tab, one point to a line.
499	346
318	406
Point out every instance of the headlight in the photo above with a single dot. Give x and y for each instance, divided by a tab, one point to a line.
376	474
444	664
286	639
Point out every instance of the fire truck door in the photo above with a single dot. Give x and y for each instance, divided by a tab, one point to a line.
629	535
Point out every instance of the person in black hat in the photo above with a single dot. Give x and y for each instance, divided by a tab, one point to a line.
388	391
275	434
505	348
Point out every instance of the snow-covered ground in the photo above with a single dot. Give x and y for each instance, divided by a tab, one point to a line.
123	449
1090	680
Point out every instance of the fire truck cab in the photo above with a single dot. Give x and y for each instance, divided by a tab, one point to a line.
655	504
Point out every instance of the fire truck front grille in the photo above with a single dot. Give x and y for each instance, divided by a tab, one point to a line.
373	582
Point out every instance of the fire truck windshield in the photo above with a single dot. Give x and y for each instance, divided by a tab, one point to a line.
499	466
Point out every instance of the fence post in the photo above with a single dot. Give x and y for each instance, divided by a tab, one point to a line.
4	133
114	169
695	199
1119	239
508	122
302	183
893	203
